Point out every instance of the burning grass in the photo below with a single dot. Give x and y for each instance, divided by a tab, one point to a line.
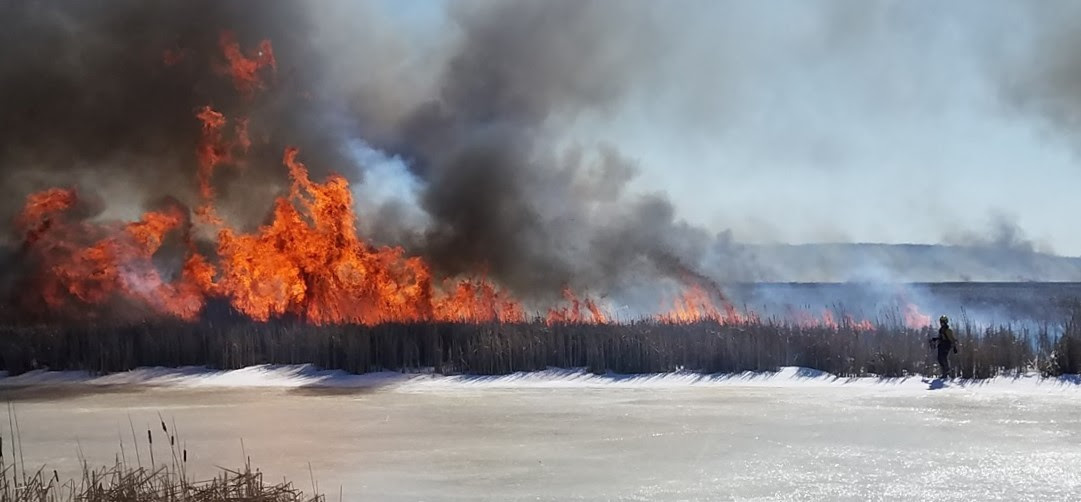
306	287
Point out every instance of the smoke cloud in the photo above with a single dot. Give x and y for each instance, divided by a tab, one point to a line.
593	144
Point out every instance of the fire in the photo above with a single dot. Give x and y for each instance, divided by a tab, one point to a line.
39	210
309	262
914	318
577	312
829	321
861	325
306	262
244	69
477	301
215	150
695	304
212	150
84	263
826	319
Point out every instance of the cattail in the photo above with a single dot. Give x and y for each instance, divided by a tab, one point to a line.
185	455
149	437
56	476
163	428
172	440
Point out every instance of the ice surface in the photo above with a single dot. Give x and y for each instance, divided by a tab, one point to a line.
567	435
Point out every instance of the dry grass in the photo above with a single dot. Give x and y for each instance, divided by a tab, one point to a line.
889	349
120	483
124	482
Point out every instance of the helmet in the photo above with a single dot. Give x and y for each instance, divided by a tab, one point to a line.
943	319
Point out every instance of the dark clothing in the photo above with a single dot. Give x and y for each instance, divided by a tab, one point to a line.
944	360
945	334
946	343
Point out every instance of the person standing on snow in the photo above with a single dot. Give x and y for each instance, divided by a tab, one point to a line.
946	342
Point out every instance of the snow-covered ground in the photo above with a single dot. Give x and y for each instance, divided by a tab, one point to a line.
307	376
567	435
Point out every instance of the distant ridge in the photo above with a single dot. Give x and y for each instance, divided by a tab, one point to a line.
842	262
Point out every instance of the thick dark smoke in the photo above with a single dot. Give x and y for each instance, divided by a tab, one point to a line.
503	197
89	100
91	103
1043	74
478	112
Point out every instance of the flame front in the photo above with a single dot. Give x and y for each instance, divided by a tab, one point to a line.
576	311
307	261
695	304
80	263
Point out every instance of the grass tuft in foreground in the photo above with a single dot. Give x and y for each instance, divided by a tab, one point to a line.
124	482
120	483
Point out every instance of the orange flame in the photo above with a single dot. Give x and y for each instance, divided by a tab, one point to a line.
577	312
695	304
477	301
114	264
828	320
214	151
244	69
306	262
39	210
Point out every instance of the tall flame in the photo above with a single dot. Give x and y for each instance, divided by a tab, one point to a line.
83	263
306	262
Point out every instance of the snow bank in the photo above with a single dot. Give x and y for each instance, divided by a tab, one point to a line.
301	376
274	376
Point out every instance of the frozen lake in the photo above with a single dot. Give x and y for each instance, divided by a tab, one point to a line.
565	436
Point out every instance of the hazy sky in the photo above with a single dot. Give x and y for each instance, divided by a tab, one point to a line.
831	121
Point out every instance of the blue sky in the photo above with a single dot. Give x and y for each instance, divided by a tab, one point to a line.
825	121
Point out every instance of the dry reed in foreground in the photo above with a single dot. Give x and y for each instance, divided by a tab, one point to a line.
123	482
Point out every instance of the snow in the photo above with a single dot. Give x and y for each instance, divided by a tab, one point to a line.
307	376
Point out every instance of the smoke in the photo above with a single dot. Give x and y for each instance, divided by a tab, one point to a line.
104	96
493	136
501	194
91	101
1042	76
